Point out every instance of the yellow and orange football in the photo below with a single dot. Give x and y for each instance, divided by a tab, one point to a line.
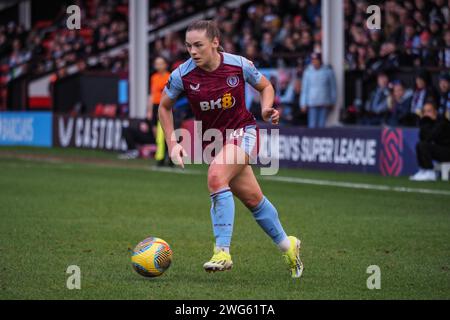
151	257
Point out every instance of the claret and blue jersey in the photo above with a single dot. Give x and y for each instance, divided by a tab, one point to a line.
216	98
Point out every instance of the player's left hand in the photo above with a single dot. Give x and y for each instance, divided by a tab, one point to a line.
271	114
177	153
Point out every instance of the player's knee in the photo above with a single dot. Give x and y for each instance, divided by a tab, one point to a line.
252	201
216	181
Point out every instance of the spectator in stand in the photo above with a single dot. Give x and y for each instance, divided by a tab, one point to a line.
351	57
4	45
422	93
444	95
434	142
436	39
412	33
389	57
285	94
293	26
100	38
299	117
409	38
288	48
306	42
50	48
375	39
18	55
441	9
313	11
251	54
392	28
377	104
428	56
267	47
444	54
400	104
142	134
318	91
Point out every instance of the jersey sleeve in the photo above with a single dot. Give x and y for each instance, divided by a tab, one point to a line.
251	74
174	86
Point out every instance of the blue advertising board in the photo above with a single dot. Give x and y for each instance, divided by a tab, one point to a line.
384	150
26	129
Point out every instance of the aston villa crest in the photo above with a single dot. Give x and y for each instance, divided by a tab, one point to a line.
233	81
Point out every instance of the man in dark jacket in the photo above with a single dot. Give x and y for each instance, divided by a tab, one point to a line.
400	107
434	144
444	95
376	106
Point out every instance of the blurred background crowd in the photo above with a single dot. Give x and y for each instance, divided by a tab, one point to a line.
281	34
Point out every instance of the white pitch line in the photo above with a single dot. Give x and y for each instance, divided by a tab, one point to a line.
176	170
330	183
352	185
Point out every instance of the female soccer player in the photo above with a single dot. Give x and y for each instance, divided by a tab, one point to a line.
214	83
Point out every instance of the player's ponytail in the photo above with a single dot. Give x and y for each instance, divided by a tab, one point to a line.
212	31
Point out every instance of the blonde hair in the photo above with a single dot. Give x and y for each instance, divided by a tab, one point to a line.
212	31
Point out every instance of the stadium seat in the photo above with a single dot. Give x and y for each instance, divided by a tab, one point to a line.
43	24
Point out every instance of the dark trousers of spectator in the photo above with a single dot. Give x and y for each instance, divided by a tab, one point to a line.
134	136
427	152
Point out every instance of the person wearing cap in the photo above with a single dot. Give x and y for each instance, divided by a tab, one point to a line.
319	91
444	95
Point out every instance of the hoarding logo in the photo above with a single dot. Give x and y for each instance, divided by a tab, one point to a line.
94	133
26	128
391	155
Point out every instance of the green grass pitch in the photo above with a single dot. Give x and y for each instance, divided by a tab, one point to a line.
83	208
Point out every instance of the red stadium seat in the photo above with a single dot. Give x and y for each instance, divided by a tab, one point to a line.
43	24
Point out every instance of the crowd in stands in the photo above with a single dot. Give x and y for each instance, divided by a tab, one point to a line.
51	46
414	37
163	12
271	33
393	103
283	33
413	33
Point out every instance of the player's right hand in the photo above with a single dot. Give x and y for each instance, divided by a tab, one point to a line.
177	153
